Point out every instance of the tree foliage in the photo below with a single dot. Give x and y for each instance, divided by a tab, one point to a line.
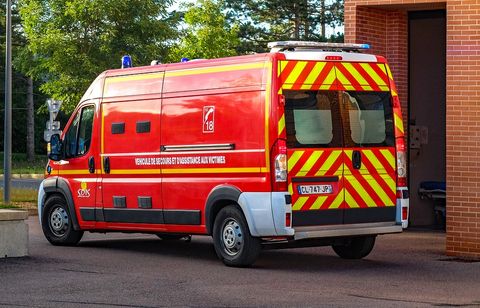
270	20
71	41
207	33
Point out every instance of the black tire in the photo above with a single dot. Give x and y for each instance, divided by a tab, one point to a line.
355	248
57	223
232	240
173	236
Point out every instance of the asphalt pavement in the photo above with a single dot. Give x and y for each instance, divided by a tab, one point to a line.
129	270
23	183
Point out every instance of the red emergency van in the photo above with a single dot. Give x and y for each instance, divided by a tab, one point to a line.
303	145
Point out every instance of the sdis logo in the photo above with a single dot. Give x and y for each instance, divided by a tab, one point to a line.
83	192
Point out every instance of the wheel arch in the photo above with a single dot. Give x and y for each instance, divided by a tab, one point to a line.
220	197
58	186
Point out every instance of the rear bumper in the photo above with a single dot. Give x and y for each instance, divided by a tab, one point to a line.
302	233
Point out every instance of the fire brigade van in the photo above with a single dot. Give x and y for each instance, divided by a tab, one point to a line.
297	147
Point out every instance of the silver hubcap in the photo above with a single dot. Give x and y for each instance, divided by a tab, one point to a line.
59	221
232	237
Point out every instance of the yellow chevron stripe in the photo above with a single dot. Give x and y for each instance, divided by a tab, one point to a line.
378	189
347	171
338	200
389	157
290	188
280	68
361	191
373	74
332	158
384	88
292	161
318	203
309	163
381	66
293	76
317	69
339	171
352	70
373	160
330	78
281	125
398	123
299	203
349	200
392	184
389	72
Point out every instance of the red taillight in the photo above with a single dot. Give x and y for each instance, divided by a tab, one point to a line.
334	58
288	219
401	163
279	166
404	213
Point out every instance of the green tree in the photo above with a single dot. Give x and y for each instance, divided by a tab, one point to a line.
69	42
207	33
262	21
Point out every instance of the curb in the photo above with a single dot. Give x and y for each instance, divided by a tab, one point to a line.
25	176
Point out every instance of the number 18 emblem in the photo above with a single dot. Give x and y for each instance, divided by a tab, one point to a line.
208	119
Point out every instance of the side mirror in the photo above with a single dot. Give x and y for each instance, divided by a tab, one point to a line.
56	148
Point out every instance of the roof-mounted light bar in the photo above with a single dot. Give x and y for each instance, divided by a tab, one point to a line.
285	45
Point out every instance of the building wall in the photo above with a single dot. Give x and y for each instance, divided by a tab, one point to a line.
383	23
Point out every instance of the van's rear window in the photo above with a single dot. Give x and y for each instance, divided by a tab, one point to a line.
310	119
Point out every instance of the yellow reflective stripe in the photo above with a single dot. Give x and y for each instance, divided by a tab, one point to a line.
350	201
309	163
299	203
378	190
318	203
388	157
338	200
389	72
384	88
392	184
267	113
398	123
219	69
330	78
339	171
373	74
328	163
293	76
361	191
212	170
317	69
135	77
373	160
381	67
75	171
352	70
281	124
292	161
290	188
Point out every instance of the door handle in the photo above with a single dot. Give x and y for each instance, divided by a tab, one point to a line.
106	164
91	164
357	159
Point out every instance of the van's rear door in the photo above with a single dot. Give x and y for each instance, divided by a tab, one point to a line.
369	143
315	157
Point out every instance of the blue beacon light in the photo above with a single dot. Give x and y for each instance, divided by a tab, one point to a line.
183	60
126	61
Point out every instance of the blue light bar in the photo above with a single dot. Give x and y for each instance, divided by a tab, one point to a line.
184	60
126	61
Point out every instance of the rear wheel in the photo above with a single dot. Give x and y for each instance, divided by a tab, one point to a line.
232	240
355	248
57	223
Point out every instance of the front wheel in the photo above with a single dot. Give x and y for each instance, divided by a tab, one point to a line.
57	223
355	248
232	240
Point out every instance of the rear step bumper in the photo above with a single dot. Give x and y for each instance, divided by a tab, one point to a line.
302	233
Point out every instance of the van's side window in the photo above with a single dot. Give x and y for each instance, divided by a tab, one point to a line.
370	118
312	119
79	134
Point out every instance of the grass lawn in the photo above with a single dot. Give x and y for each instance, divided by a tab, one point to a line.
20	165
21	199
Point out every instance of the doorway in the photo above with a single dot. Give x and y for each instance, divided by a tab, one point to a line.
427	108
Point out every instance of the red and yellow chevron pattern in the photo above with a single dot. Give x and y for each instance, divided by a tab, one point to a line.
373	185
310	75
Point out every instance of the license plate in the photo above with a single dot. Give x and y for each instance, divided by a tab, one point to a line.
314	189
